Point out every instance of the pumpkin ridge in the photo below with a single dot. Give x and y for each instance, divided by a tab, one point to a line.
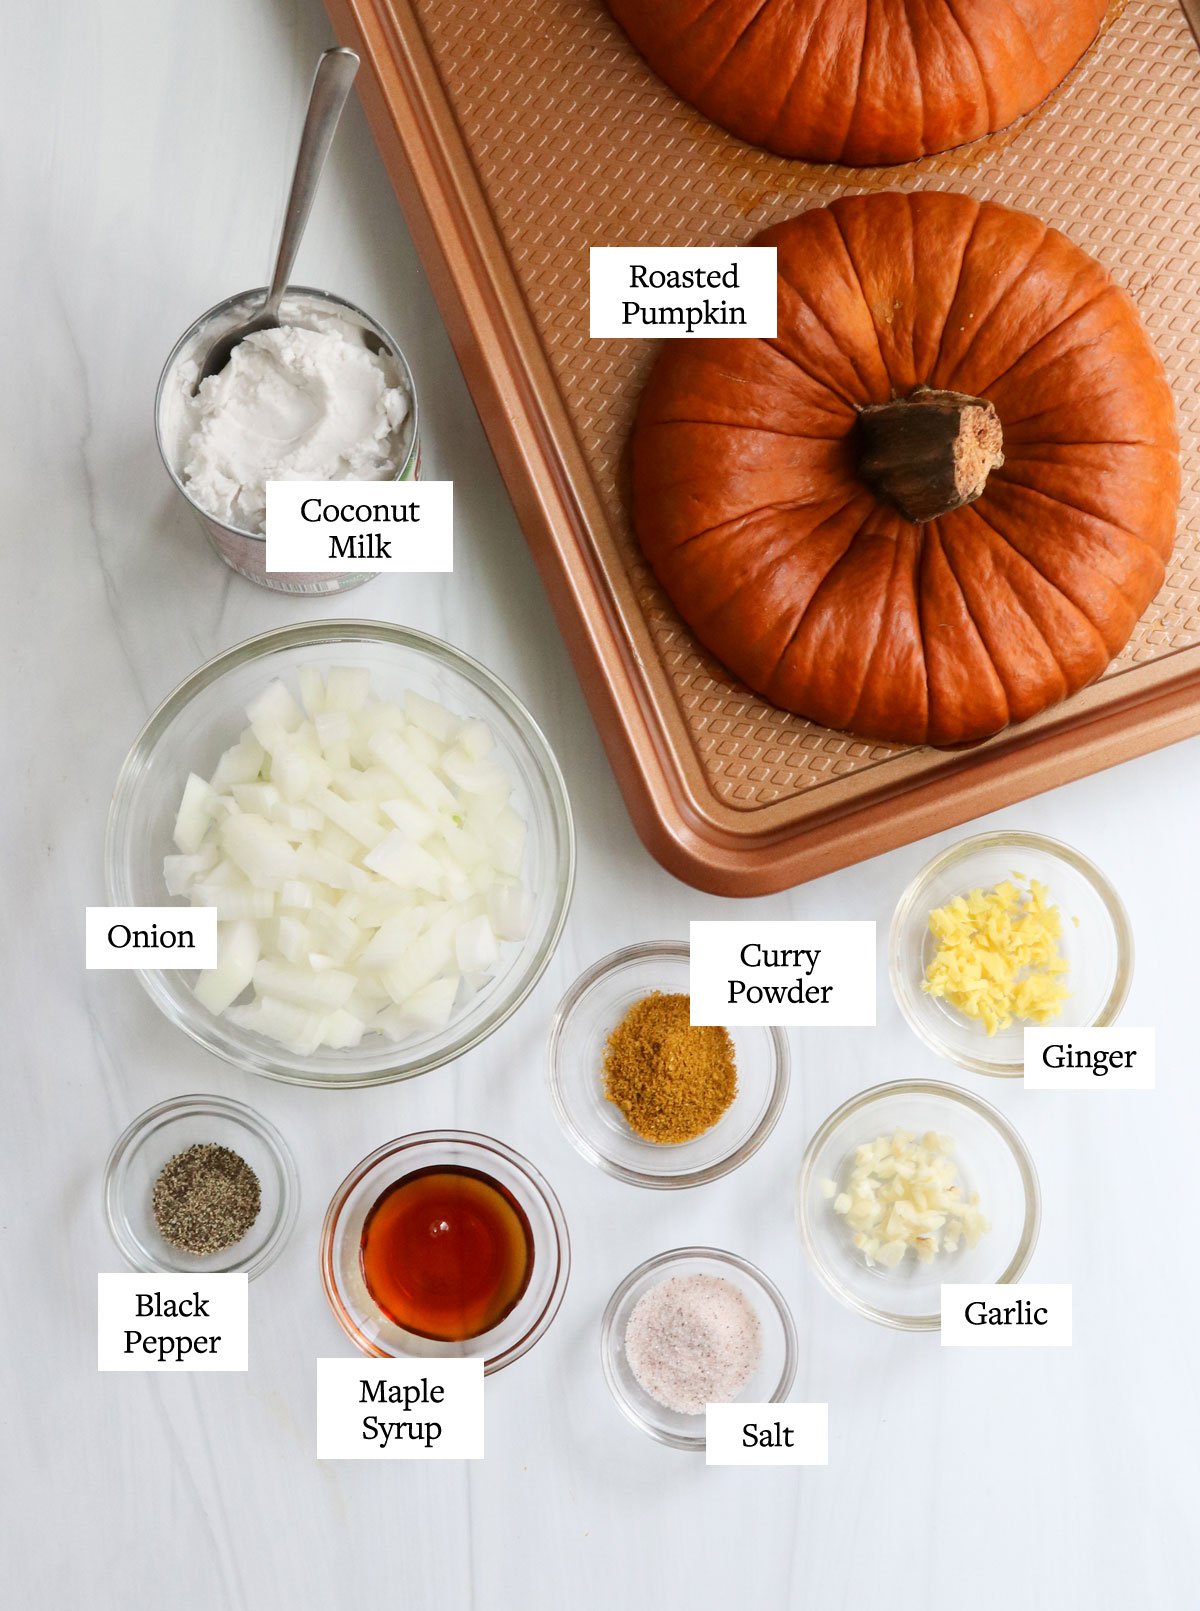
772	342
985	77
1062	324
759	430
697	16
825	384
807	372
1038	414
1082	509
987	638
1088	514
812	600
719	66
983	88
801	50
1022	454
918	82
1131	587
1004	118
792	544
852	98
828	400
886	618
1111	642
799	85
1022	597
833	390
933	544
968	248
1013	283
750	514
948	555
1076	609
831	335
862	291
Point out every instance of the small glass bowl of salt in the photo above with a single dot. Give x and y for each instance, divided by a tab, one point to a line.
744	1319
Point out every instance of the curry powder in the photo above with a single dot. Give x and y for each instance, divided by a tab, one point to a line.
671	1079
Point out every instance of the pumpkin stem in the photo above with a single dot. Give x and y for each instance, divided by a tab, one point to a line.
930	452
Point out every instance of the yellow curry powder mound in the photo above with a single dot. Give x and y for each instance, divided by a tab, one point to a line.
671	1079
997	958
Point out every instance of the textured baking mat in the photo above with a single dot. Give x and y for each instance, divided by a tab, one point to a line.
572	142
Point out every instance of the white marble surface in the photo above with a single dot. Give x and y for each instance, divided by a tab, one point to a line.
144	148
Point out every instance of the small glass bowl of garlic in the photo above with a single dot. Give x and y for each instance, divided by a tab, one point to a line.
909	1185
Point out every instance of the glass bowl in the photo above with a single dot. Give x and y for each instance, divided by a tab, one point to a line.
992	1160
246	551
376	1334
771	1382
153	1138
205	714
587	1014
1098	948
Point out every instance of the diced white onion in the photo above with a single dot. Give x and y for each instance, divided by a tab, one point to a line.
475	947
364	861
237	953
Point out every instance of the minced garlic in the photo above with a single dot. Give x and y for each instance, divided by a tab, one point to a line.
998	956
903	1193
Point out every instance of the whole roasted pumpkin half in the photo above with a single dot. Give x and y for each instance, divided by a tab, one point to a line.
861	81
939	501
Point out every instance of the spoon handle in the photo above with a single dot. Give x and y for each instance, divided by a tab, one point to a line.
331	85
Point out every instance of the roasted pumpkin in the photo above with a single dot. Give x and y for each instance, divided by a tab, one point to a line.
861	81
940	500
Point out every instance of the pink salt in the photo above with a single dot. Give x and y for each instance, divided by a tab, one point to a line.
693	1340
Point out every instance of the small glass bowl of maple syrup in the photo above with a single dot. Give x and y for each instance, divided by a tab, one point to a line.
445	1245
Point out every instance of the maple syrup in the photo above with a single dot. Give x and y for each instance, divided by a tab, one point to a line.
446	1252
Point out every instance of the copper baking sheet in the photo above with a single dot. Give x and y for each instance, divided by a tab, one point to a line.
520	132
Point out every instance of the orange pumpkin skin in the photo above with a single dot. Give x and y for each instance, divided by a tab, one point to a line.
861	81
822	597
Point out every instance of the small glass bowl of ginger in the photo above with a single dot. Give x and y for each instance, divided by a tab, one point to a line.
1093	945
595	1005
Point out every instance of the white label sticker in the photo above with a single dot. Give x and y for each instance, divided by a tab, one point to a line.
400	1409
1117	1059
172	1322
150	937
766	1435
670	292
811	973
979	1315
336	526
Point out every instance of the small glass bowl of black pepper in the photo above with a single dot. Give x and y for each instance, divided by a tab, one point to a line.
215	1126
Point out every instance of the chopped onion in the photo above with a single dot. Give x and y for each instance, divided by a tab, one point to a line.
237	949
364	860
475	946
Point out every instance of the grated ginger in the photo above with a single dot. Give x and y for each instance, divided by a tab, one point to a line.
997	957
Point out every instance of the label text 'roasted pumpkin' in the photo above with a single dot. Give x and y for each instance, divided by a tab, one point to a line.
669	292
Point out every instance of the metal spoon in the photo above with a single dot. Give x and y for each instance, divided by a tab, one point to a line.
331	85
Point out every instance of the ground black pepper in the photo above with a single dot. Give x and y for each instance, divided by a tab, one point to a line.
206	1198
